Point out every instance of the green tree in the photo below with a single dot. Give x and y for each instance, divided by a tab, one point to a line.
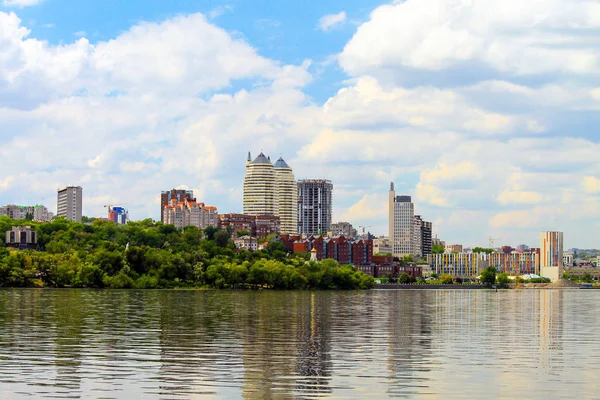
404	278
503	279
242	232
437	249
488	276
222	238
446	279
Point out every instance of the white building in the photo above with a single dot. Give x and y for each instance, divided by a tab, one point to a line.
69	203
401	220
286	200
246	242
568	259
343	229
259	187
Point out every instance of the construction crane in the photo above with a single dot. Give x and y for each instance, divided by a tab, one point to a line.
492	241
363	228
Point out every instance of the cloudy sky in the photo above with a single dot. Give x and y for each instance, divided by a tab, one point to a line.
485	112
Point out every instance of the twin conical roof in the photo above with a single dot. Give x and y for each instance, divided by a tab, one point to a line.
281	163
261	159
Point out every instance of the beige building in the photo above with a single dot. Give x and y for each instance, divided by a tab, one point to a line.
190	213
286	192
271	190
246	242
382	245
401	217
259	187
69	203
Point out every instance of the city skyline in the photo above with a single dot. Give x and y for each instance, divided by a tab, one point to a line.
487	143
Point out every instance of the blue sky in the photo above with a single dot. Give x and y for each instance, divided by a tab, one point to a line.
486	114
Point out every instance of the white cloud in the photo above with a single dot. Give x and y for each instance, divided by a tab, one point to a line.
541	36
591	184
331	21
20	3
219	10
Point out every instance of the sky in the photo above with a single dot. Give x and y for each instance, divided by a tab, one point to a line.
486	113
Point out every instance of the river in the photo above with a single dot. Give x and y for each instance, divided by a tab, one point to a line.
434	344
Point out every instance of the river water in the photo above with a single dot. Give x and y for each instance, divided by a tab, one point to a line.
438	344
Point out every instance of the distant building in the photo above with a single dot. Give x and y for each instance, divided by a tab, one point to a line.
286	199
422	236
246	242
70	203
21	237
13	211
515	263
401	220
314	206
41	213
177	195
454	247
522	248
463	265
190	213
568	259
343	250
343	229
551	255
258	226
439	242
118	215
382	245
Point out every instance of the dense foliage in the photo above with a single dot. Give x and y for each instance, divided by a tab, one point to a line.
146	254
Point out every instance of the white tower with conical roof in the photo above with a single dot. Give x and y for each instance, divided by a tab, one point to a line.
286	197
259	187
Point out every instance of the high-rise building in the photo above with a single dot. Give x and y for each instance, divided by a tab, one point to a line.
551	255
179	195
314	206
401	220
69	203
286	192
422	236
259	187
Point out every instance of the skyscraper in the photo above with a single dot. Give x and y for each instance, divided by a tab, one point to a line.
422	236
287	197
314	206
401	220
259	187
551	255
69	203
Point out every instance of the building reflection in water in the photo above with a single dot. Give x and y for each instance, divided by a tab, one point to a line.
313	364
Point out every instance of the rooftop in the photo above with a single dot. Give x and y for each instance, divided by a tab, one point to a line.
281	163
261	159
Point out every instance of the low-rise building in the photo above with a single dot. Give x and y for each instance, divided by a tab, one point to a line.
382	245
454	247
515	263
343	229
258	226
246	242
21	237
568	258
463	265
190	213
343	250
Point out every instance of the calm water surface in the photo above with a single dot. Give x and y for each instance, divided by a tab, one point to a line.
377	344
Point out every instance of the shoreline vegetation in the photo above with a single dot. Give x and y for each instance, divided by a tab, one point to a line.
149	255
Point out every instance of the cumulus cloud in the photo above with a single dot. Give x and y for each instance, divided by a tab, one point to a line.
331	21
510	37
20	3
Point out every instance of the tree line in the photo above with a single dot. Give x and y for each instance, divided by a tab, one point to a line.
148	254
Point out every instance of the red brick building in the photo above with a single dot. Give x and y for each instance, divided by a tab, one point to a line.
259	226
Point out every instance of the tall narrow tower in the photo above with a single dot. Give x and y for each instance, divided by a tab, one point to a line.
551	255
401	224
314	206
259	187
286	197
